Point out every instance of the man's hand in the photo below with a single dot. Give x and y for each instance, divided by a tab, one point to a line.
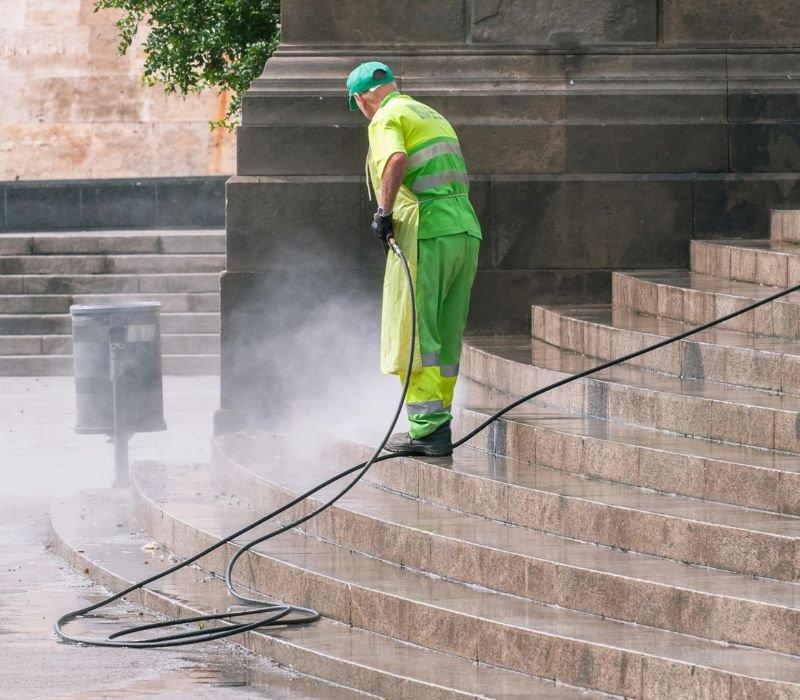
382	225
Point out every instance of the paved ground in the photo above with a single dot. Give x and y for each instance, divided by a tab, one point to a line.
40	458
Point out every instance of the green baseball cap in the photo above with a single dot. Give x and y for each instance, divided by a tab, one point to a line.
363	78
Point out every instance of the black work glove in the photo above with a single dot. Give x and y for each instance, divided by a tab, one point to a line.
382	225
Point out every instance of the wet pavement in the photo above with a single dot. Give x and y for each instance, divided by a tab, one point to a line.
40	458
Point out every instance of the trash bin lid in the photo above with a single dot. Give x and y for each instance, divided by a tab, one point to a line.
119	307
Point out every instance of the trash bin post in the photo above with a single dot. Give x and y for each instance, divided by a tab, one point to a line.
117	353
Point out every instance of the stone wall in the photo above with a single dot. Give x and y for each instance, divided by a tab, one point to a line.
599	135
73	108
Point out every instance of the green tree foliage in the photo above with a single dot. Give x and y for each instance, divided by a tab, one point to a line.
193	45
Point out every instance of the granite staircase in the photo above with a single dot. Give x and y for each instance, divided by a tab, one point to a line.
635	533
42	275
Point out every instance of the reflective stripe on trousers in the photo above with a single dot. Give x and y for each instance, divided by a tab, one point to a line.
432	360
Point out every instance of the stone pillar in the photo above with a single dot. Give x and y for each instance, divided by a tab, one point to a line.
599	134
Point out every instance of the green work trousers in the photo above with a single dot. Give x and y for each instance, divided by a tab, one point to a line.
446	267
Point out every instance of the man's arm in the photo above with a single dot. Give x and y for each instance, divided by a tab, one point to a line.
392	178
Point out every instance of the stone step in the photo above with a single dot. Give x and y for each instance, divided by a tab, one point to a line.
696	298
34	303
42	275
61	324
31	345
174	302
95	534
42	324
181	507
622	394
60	303
190	344
162	283
255	469
182	344
726	357
602	505
774	263
110	264
113	242
785	225
36	365
190	365
596	448
196	365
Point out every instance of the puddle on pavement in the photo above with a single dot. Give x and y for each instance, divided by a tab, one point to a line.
218	671
36	588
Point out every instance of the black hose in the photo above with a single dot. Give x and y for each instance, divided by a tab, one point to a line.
278	614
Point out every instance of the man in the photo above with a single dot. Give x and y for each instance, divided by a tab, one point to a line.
420	179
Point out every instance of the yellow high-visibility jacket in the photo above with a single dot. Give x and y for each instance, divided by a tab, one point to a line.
435	182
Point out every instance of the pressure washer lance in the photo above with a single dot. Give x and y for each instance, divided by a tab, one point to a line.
270	614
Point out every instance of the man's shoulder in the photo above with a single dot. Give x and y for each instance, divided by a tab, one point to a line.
407	105
397	105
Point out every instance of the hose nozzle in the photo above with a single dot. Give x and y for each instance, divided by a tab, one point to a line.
392	243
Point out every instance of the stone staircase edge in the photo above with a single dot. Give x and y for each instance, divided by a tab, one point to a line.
262	493
648	670
277	648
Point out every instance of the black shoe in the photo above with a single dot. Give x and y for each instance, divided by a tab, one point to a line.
438	444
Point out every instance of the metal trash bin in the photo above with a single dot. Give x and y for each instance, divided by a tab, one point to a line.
117	352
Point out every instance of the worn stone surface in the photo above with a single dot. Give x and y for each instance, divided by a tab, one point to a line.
664	679
77	109
201	200
501	299
83	205
759	23
647	148
128	205
310	22
739	205
27	209
656	108
556	23
785	225
288	150
594	223
743	264
765	147
772	270
259	237
747	107
514	149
